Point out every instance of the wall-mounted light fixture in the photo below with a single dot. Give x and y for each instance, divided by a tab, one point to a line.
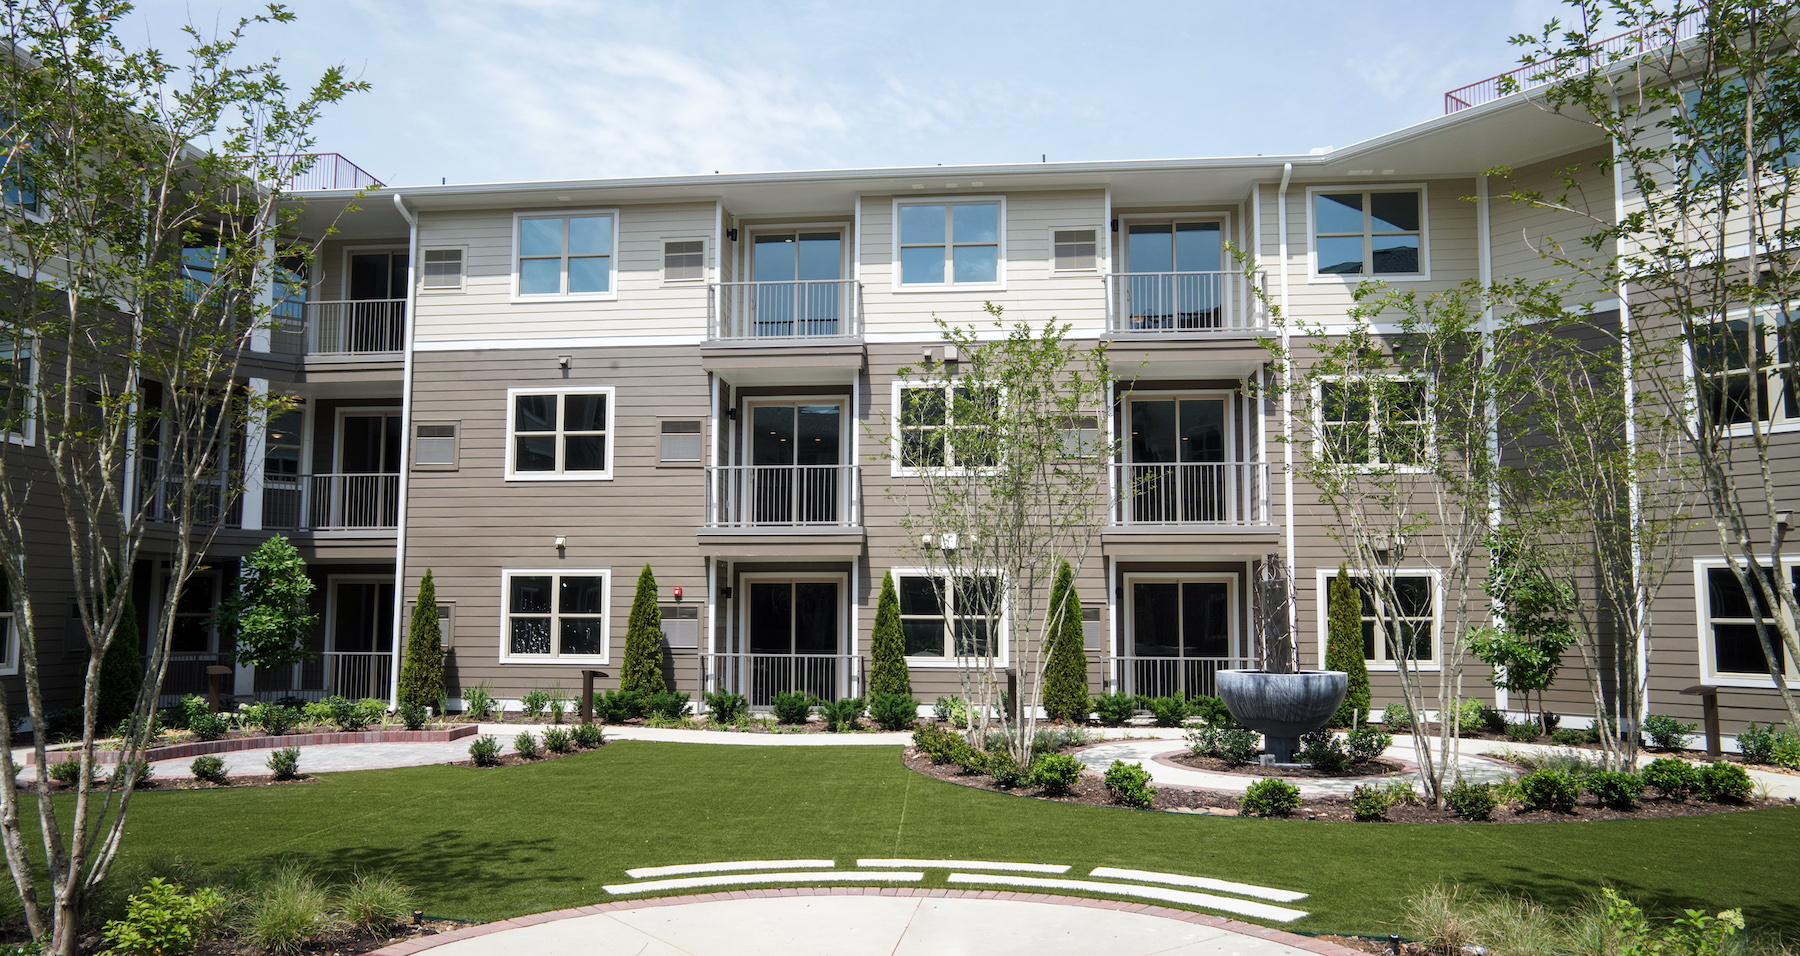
561	542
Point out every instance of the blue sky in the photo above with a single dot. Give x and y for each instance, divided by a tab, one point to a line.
494	90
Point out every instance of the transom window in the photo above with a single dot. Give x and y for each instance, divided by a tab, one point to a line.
560	433
1745	368
939	426
566	255
949	243
1374	422
1732	616
1368	233
552	615
928	624
1412	620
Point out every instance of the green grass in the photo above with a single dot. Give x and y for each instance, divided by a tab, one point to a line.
488	844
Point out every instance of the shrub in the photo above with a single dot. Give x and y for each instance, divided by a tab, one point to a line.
840	715
372	710
1493	721
894	711
1008	773
207	725
1269	797
1367	742
1369	802
1323	751
937	744
558	704
1567	736
533	702
557	740
1065	688
792	707
1757	744
484	751
1053	739
1168	711
1115	709
1667	733
272	719
1471	801
340	712
161	921
374	902
284	763
1056	773
478	702
951	710
1524	731
209	768
1469	716
1129	785
667	705
422	666
1723	781
141	772
725	708
1786	751
968	757
1549	789
1672	777
588	736
525	745
1237	746
1343	646
286	910
1213	711
66	771
618	706
888	673
1397	716
1401	792
413	716
1616	789
641	670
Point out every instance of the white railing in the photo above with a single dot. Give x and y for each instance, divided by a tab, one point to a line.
1173	676
332	503
759	677
1183	302
352	674
162	501
774	496
814	308
353	327
1532	75
1190	493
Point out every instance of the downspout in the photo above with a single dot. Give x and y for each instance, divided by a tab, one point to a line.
406	381
1628	362
1484	243
1287	413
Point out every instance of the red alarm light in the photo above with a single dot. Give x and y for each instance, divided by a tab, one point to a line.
677	594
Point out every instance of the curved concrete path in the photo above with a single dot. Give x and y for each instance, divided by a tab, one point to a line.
1154	756
876	921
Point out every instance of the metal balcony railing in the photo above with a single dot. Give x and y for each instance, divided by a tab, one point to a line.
352	674
776	496
187	675
331	503
1183	302
162	501
1536	74
323	171
809	309
759	677
1172	676
1190	493
347	327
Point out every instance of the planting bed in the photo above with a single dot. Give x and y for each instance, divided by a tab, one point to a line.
1362	768
236	742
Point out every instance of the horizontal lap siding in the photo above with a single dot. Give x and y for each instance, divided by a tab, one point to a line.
1524	235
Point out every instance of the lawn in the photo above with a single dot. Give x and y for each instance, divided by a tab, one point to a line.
487	844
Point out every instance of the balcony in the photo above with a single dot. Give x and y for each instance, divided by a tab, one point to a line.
1177	303
783	496
352	674
796	311
333	503
341	328
1230	494
1172	676
1622	46
759	677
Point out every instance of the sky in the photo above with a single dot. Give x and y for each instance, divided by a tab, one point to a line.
468	91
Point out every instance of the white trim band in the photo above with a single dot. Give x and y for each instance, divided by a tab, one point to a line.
691	882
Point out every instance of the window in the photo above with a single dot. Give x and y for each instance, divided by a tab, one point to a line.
1718	119
443	270
1731	617
944	243
927	627
684	260
1745	368
1412	620
18	419
681	443
1075	250
930	432
434	445
8	640
17	187
556	615
1368	233
1373	422
559	433
565	255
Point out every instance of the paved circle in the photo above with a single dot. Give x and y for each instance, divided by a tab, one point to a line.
1152	755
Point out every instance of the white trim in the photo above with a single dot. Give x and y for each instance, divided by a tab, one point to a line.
998	285
27	437
354	411
1312	234
1703	632
612	411
349	252
9	636
1314	448
662	265
505	643
895	465
612	281
1437	615
1100	237
1003	655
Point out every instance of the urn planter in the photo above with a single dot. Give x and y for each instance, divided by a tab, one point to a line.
1282	706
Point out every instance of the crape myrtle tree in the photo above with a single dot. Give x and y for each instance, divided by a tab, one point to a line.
1701	102
142	252
1000	478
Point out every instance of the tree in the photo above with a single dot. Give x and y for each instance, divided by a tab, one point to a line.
1526	648
121	672
269	611
1344	646
144	221
641	670
1065	676
422	670
888	673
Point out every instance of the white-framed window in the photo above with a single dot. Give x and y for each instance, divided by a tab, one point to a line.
9	637
1722	133
1381	421
555	615
18	409
684	260
1414	621
559	433
1731	653
18	187
927	434
1745	368
944	244
941	622
1075	250
443	270
565	254
1368	233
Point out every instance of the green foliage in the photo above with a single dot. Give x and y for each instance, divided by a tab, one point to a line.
1056	773
374	902
937	744
525	745
1212	710
1323	751
285	763
641	670
1401	792
208	767
66	771
1129	785
667	705
558	740
952	710
1168	711
1672	777
792	706
484	751
121	671
1549	789
1066	665
341	712
287	909
1757	744
140	772
618	706
1493	721
1470	716
588	736
558	704
1369	802
888	673
726	708
1526	651
272	719
1471	801
1367	742
414	716
533	702
1786	750
1694	934
1234	745
478	702
970	758
422	667
162	921
893	711
1616	789
1397	716
840	715
1667	733
201	721
1568	736
1008	773
1269	797
1344	648
268	613
1524	731
1115	709
1721	781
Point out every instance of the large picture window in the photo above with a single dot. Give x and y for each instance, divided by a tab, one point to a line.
939	426
930	627
1368	232
1411	623
1745	368
559	433
556	615
1381	421
1734	648
949	243
565	255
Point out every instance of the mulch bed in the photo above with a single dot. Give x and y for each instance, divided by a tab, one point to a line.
514	760
343	943
1362	768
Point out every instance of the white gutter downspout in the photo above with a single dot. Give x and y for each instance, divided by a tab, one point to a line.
1628	361
1287	409
406	380
1484	243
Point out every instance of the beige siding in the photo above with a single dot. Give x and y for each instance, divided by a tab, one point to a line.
1525	235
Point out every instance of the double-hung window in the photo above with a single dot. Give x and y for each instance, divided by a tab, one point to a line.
950	243
942	622
559	433
17	408
1378	421
1411	618
1716	121
942	426
1736	651
569	255
1745	368
1369	232
556	615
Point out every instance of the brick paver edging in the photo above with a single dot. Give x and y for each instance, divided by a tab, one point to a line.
199	747
1307	943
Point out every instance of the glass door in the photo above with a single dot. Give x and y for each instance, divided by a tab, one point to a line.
1176	278
1177	467
793	638
798	288
361	640
795	451
1181	635
376	315
365	492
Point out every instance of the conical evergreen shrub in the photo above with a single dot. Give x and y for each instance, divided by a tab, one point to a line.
888	673
121	673
1065	672
1344	646
641	670
422	670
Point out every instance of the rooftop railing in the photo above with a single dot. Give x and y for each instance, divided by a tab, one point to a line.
1536	74
326	171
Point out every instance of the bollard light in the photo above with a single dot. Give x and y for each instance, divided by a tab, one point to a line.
419	917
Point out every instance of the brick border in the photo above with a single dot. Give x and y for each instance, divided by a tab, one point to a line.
233	744
1306	943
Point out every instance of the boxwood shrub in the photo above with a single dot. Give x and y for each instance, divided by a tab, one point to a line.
1616	789
1472	801
1056	773
1723	781
1549	789
792	707
1129	785
1270	797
